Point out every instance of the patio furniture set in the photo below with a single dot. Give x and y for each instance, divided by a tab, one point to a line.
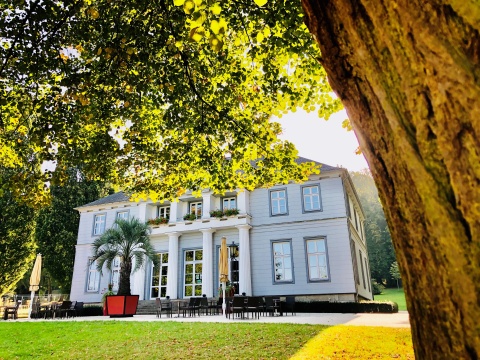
55	310
242	306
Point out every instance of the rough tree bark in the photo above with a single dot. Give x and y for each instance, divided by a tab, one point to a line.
408	74
124	281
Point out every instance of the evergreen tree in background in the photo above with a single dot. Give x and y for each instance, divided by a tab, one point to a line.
17	241
381	253
57	226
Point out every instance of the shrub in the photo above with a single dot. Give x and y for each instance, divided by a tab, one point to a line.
346	307
157	221
216	213
92	310
377	288
231	212
190	217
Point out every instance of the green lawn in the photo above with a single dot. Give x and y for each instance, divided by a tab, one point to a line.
393	294
172	340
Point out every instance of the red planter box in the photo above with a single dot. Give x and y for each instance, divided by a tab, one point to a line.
121	305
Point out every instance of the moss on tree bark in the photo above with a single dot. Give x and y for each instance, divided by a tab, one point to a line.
408	74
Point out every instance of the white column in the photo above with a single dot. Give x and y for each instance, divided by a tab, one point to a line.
173	211
172	272
208	202
142	211
207	267
245	271
243	201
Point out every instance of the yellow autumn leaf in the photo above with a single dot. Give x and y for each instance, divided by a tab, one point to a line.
197	33
99	51
188	7
216	9
178	2
260	37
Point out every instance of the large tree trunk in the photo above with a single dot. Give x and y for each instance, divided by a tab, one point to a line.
408	74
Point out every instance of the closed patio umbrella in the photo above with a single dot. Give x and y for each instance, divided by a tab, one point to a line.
223	269
35	281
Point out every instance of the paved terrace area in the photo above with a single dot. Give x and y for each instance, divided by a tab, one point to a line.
398	320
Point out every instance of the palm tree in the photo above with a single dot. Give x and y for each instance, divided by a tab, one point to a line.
128	240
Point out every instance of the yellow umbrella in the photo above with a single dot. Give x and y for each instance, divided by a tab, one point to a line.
223	269
35	281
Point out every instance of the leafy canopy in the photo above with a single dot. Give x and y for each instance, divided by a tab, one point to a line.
158	96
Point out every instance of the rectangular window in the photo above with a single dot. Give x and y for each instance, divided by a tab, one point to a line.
368	275
353	251
164	212
192	284
229	203
99	224
278	202
115	274
317	260
311	198
93	279
159	277
196	209
122	215
282	262
363	272
355	216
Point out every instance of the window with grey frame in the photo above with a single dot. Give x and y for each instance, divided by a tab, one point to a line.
363	272
93	276
196	208
229	203
311	198
282	261
99	224
317	260
164	212
278	202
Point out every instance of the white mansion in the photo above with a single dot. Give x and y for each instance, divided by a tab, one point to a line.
297	239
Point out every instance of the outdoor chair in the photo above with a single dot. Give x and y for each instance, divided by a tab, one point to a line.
78	308
290	305
215	306
192	307
37	311
204	305
272	306
62	309
165	306
237	306
12	310
254	305
71	311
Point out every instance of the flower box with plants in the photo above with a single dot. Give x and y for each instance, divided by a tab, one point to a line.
190	217
158	221
224	213
127	240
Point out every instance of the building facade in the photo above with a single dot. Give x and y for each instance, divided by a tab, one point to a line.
303	239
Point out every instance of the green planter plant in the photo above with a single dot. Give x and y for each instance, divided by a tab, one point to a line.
127	240
190	217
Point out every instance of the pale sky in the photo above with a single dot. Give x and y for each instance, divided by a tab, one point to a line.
323	141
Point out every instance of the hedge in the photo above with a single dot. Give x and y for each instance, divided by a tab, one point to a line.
346	307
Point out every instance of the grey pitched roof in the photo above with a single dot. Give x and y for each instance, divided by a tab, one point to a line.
122	197
114	198
325	167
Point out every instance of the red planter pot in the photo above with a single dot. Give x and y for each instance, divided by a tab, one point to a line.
121	305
